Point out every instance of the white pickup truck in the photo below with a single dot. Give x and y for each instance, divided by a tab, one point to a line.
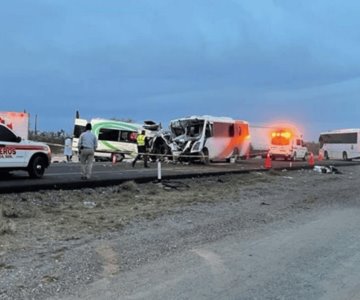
21	154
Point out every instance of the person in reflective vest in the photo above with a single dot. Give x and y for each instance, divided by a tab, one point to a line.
141	141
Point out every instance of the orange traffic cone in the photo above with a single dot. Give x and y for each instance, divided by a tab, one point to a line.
267	164
311	160
320	156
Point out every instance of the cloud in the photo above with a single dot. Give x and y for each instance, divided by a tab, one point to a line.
184	56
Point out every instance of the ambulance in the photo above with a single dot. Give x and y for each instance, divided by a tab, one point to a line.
288	144
17	153
17	121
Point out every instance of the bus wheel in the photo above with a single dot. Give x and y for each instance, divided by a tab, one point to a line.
345	157
205	156
326	155
234	155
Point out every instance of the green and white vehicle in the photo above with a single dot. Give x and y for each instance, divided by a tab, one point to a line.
115	138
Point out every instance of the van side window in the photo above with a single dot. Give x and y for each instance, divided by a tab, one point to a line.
109	135
127	136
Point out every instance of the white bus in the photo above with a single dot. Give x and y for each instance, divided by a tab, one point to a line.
208	138
340	144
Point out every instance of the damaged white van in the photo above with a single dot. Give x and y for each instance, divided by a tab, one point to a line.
208	138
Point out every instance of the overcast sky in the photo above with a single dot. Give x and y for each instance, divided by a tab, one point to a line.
260	61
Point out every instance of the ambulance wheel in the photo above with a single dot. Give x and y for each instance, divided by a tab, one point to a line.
36	168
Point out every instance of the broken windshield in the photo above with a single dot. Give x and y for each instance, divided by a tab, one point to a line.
188	127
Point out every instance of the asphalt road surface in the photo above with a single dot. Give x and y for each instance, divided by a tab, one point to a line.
67	175
316	258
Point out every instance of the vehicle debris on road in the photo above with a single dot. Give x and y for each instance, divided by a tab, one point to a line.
326	170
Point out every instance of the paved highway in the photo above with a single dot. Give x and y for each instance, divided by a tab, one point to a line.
67	175
316	259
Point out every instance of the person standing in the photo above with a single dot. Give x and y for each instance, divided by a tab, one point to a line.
87	145
141	146
68	149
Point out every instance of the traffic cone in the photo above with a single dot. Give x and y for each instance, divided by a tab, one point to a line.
311	160
267	164
320	156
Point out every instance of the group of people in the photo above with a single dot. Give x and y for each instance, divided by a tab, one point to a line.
87	145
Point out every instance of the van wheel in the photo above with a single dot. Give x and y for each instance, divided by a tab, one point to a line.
36	168
326	155
205	156
119	157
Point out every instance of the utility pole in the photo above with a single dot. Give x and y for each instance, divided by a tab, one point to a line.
35	124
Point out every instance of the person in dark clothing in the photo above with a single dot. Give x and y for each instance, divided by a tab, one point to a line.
142	142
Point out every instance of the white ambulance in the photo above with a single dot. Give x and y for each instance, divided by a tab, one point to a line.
21	154
286	143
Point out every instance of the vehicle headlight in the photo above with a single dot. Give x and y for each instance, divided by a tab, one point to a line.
196	147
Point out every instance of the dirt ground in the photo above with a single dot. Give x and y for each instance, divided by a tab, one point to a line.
52	242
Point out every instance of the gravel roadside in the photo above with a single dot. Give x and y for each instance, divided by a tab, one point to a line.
53	242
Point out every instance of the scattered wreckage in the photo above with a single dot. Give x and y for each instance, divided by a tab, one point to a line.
326	170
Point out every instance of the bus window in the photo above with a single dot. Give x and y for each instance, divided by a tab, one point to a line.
231	130
132	137
221	129
109	134
126	136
